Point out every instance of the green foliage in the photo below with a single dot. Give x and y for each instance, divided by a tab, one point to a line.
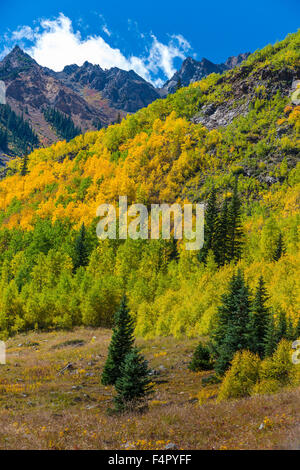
211	215
15	132
81	256
232	323
242	376
160	154
277	371
259	320
280	249
223	231
270	339
249	375
201	359
133	386
24	167
63	125
3	139
234	225
121	344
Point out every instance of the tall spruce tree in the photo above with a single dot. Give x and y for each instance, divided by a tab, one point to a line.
231	332
221	242
290	333
281	330
234	225
24	165
259	319
297	330
81	255
270	341
121	344
211	214
133	385
280	249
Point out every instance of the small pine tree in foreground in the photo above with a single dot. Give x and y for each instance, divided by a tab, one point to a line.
121	344
134	383
201	359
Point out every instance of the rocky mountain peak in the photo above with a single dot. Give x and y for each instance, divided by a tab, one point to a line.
193	70
17	58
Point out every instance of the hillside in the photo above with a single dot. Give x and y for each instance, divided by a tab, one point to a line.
86	98
244	122
42	409
89	96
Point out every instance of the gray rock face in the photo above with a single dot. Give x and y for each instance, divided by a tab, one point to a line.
124	89
244	86
193	71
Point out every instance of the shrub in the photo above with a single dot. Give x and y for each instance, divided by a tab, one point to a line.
279	367
241	377
201	359
267	386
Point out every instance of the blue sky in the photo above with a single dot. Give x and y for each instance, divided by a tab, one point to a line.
150	37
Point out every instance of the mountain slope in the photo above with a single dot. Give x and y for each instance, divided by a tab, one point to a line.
124	90
162	153
193	71
88	95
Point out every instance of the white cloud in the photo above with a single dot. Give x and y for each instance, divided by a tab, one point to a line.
24	32
106	30
56	44
162	56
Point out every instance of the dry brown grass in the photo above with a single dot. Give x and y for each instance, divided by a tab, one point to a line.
40	409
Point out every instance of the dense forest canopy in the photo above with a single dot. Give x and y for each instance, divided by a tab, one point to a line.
56	273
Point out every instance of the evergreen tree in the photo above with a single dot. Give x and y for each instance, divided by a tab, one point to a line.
290	333
201	359
17	129
24	166
234	225
231	332
297	330
280	249
259	319
133	385
221	242
282	327
62	124
3	140
121	344
81	256
179	84
270	341
211	214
